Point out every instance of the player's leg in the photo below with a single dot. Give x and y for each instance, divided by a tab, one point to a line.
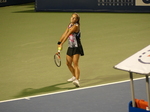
76	69
76	65
69	60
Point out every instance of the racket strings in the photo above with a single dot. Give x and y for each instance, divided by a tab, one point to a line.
57	60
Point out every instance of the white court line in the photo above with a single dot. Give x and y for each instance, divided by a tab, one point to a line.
29	97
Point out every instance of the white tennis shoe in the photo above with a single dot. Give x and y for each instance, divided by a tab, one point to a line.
71	79
76	83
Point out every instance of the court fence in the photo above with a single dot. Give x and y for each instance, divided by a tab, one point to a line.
93	5
13	2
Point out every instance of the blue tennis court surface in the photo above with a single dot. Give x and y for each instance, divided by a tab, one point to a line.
113	97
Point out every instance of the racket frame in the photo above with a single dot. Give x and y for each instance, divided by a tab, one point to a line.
57	55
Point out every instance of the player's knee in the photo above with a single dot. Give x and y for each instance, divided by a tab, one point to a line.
75	65
68	64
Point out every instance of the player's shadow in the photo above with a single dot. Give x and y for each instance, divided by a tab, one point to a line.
31	91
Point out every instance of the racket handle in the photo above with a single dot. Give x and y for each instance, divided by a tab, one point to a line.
58	51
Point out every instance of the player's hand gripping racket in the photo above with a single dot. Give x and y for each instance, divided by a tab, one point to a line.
57	58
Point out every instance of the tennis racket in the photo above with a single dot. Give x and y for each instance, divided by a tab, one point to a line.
57	59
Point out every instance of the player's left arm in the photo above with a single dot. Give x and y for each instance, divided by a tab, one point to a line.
73	29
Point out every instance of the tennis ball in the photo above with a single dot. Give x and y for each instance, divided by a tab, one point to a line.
59	48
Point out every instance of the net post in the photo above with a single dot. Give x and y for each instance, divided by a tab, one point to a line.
148	90
132	89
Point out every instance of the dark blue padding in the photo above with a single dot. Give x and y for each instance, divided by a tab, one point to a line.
135	109
91	6
14	2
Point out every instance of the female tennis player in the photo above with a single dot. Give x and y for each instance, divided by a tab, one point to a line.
75	49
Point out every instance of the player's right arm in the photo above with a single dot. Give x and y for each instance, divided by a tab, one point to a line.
63	36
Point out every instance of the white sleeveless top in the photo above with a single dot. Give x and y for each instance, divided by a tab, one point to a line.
72	39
